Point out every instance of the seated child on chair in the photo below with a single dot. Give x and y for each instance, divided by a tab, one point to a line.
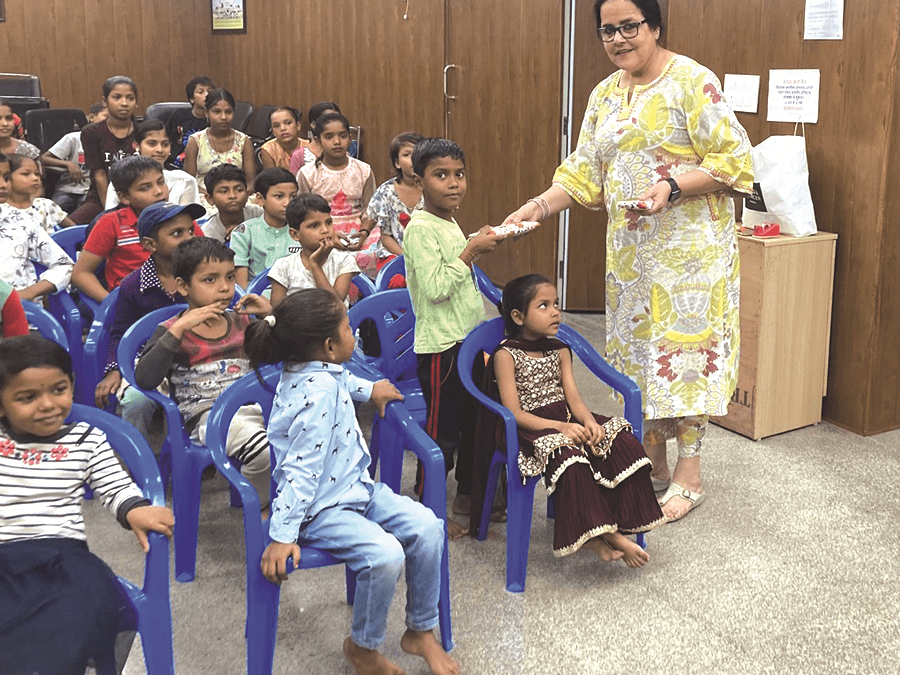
318	264
596	468
201	351
161	227
25	242
325	497
226	190
59	603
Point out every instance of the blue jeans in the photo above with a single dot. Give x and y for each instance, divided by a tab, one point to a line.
375	539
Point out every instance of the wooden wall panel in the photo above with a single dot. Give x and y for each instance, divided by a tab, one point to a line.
884	367
847	153
507	120
586	257
74	45
385	72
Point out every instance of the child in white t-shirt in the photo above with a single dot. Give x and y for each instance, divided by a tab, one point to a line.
318	264
68	154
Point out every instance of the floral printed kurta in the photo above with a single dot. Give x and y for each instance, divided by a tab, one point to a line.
672	279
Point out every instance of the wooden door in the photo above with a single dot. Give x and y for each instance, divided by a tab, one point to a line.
585	258
506	80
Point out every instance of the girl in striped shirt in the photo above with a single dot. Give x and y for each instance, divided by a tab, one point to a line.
59	603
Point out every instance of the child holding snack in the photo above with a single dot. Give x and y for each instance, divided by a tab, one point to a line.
317	264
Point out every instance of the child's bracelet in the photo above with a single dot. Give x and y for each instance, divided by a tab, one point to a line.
542	203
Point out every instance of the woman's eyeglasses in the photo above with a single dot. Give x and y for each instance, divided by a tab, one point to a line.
628	31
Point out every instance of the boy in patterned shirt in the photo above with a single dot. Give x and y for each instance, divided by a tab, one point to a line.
201	351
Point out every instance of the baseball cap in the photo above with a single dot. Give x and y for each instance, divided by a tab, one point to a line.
160	212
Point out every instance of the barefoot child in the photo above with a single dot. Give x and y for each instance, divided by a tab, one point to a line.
59	603
595	466
325	497
447	305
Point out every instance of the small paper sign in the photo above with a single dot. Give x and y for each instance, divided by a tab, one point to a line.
793	96
742	92
823	20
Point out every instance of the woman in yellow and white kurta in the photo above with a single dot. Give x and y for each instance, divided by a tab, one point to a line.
660	129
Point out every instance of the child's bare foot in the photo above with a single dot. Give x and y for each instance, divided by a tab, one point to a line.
455	530
632	554
462	506
369	661
602	549
424	644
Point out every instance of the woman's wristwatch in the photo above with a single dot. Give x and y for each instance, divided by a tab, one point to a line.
675	194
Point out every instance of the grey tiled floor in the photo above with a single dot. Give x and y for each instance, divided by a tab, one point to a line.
791	566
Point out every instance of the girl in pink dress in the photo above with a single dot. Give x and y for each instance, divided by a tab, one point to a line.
347	184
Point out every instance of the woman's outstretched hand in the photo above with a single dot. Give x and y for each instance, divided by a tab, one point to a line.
528	211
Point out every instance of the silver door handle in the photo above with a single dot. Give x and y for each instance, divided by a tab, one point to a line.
447	68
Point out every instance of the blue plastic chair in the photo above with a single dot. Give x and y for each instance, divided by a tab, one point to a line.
187	460
520	498
96	345
71	240
260	282
47	326
395	324
364	284
149	602
263	596
386	273
486	286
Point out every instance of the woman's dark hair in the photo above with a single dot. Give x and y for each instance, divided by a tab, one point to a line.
269	178
300	206
223	172
517	294
434	148
31	351
145	127
317	109
127	170
216	95
5	102
303	321
192	253
324	120
406	138
16	161
116	80
196	82
649	8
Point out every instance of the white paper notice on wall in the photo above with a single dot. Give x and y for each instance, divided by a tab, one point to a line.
823	20
742	92
793	96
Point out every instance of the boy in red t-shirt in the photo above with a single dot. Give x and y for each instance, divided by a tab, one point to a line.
139	182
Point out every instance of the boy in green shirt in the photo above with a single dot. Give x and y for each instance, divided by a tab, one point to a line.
447	305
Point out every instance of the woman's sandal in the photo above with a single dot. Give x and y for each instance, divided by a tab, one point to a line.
675	490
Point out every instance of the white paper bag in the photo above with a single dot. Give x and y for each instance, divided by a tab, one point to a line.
781	191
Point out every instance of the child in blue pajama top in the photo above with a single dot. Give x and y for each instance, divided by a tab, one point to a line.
325	496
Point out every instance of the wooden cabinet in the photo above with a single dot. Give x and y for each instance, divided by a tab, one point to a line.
786	290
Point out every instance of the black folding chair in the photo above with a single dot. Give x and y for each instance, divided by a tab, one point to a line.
46	126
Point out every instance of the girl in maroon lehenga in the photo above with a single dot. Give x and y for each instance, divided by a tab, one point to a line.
594	464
